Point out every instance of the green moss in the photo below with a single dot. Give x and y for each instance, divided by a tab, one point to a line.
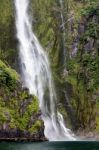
14	75
5	14
12	124
91	8
34	106
22	121
15	102
97	123
3	117
24	95
8	76
36	127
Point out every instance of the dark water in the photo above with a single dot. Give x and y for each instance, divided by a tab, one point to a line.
51	146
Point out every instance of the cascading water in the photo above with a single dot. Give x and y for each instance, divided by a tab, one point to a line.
61	2
36	74
62	17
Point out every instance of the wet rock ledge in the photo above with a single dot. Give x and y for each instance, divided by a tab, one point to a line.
24	136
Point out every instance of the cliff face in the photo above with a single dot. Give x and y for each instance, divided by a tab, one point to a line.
83	67
74	53
73	47
20	117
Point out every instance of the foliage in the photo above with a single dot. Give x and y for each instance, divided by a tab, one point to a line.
8	76
82	68
36	127
91	9
16	105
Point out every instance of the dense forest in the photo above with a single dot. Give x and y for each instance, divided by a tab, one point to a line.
69	33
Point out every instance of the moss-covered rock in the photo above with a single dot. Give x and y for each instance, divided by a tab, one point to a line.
18	110
77	87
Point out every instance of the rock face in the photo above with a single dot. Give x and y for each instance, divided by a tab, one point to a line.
77	87
20	117
81	102
19	135
83	76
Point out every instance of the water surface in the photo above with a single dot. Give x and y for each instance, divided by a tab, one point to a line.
86	145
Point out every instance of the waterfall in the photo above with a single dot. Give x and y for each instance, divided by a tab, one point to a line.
62	17
36	74
61	2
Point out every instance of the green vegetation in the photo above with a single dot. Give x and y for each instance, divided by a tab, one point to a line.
77	87
8	52
16	105
36	127
8	77
84	70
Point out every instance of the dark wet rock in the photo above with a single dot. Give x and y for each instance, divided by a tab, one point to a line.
13	134
95	19
81	28
89	46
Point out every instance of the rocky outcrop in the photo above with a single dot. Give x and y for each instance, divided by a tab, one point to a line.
20	117
19	135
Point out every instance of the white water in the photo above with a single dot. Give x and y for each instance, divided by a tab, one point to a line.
62	17
36	74
65	72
